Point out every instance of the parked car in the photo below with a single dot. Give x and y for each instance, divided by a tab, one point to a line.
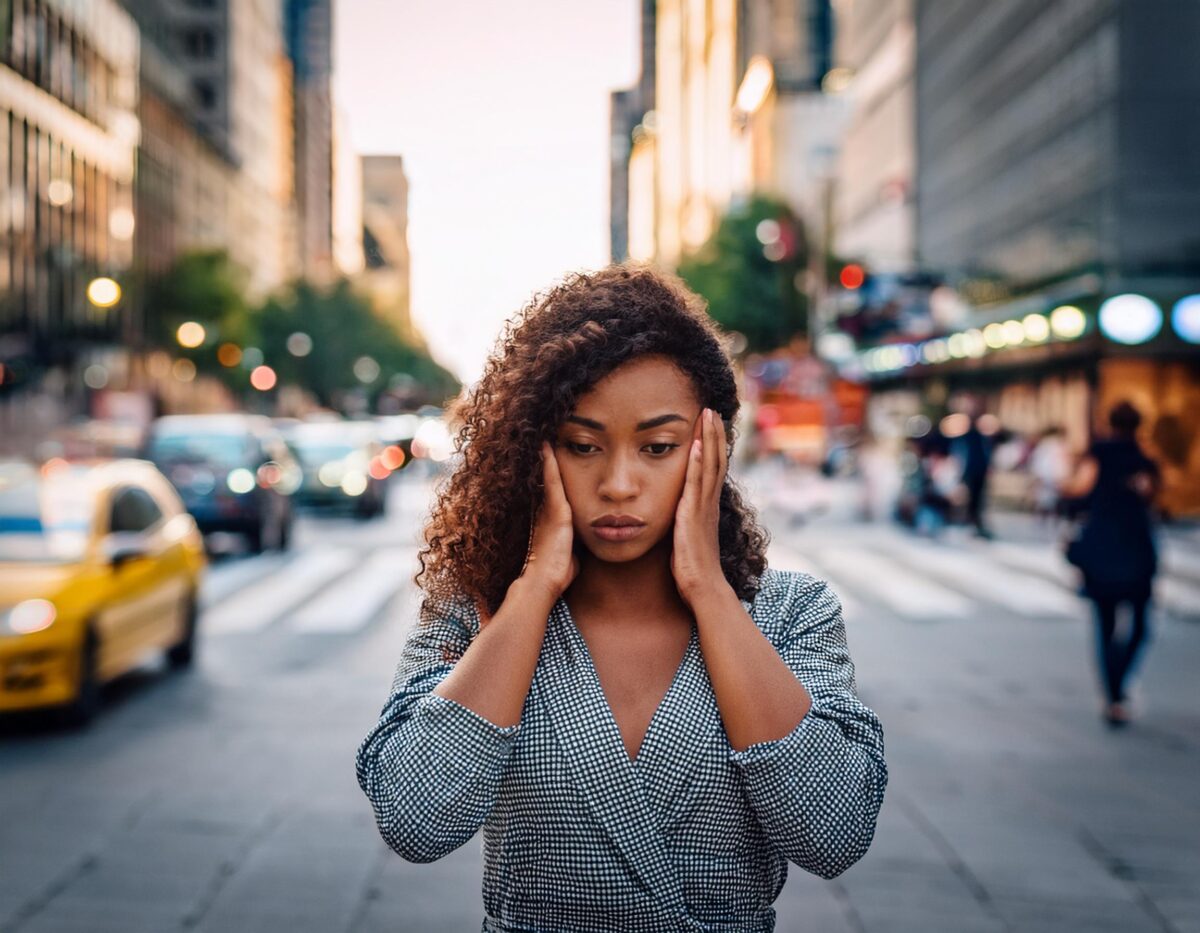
100	565
341	466
234	472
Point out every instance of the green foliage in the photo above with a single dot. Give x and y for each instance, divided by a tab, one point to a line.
208	288
751	287
204	286
342	328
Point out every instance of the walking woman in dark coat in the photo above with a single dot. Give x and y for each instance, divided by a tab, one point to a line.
1115	549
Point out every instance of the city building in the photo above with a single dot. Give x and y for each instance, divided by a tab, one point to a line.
233	56
875	191
1057	197
310	47
69	133
740	109
628	109
385	278
346	207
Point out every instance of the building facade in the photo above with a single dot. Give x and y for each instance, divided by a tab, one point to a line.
68	136
628	109
235	63
875	189
386	275
1057	197
310	48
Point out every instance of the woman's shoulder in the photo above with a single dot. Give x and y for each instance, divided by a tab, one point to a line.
789	598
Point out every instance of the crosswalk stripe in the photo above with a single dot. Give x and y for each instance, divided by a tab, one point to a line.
895	586
256	606
982	577
782	557
223	579
357	598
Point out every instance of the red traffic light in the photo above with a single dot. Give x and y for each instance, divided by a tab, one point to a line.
852	276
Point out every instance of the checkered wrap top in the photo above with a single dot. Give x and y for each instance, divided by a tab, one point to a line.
690	835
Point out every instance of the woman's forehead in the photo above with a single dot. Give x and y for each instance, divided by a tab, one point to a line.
640	385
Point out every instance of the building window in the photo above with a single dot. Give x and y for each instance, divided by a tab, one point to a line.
206	93
200	43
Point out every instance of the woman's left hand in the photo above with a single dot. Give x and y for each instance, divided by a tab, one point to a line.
696	555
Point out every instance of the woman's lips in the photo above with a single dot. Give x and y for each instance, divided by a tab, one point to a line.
617	532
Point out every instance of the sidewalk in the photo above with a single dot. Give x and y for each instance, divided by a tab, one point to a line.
1010	807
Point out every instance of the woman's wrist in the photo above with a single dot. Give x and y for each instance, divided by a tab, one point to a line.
533	588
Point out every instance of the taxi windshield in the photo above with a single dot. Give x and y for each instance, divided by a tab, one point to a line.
43	518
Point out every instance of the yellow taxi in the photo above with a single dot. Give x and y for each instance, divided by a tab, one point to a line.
100	565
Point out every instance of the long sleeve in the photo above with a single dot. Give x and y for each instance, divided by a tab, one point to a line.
817	792
431	767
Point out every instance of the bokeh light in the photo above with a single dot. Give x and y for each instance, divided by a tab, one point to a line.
190	334
263	378
1067	322
103	292
1185	318
229	354
1130	319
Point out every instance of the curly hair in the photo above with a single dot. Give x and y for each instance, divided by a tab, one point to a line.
547	357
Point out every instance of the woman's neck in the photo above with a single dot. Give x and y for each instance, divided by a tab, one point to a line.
643	587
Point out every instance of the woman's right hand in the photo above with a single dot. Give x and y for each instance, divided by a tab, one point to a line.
552	564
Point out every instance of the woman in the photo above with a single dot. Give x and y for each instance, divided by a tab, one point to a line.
646	722
1115	549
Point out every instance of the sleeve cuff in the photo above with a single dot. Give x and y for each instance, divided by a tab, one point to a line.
772	748
474	737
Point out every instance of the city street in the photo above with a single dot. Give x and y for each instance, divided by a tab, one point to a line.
224	800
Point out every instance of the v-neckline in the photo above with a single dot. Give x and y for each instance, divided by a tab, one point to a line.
595	675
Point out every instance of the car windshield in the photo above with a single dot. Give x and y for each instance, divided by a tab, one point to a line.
315	452
43	518
222	450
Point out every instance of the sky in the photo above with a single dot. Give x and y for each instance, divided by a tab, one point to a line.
501	112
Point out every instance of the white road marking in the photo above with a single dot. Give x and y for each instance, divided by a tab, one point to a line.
896	586
357	598
979	574
255	607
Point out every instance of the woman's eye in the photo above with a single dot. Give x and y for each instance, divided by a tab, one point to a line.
660	450
578	448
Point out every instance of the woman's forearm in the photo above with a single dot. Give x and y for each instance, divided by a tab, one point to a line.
492	677
759	697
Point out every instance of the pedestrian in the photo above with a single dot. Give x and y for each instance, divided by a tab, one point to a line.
1049	467
1115	549
645	720
974	451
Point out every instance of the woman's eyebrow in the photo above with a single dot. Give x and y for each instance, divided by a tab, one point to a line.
641	425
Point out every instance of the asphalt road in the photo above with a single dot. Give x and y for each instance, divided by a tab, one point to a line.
224	799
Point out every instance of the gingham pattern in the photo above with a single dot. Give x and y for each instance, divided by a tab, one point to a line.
690	836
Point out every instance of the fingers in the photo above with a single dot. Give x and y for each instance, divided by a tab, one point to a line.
715	456
693	480
556	496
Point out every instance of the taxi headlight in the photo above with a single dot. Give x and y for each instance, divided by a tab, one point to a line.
27	617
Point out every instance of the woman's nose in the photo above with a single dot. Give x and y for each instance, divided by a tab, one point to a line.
618	481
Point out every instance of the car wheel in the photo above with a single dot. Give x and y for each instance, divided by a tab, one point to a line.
86	705
183	653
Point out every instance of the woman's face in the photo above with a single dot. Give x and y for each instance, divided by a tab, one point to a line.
623	457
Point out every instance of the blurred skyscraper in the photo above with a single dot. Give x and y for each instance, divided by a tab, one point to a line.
68	136
233	58
875	191
310	45
628	108
385	241
738	109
